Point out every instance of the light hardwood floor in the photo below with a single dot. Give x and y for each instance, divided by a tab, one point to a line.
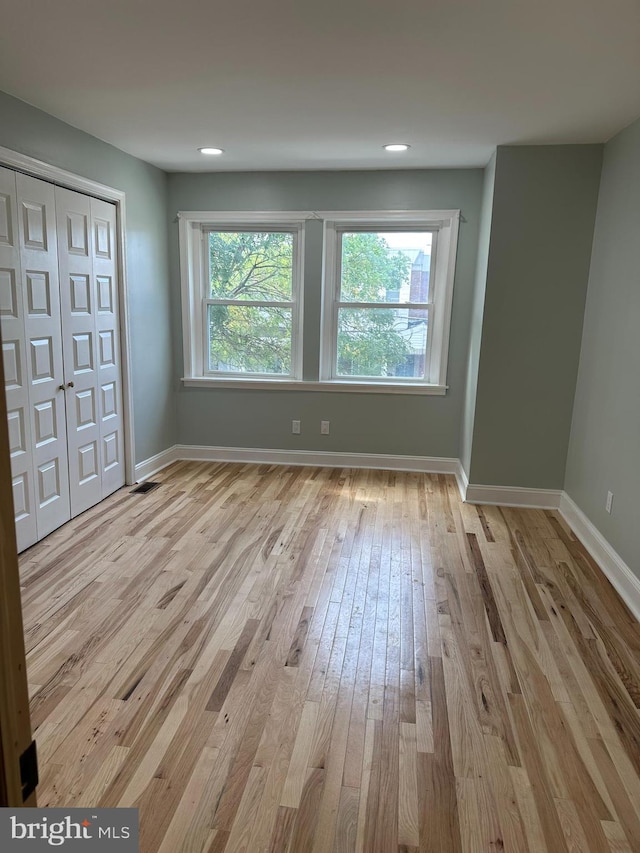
301	659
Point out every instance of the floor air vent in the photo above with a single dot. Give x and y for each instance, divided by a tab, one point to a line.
145	487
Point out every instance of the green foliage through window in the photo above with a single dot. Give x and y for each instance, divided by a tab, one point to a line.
250	266
257	266
377	342
253	265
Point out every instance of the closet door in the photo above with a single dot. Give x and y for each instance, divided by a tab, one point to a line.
14	351
61	350
87	254
41	294
103	219
78	298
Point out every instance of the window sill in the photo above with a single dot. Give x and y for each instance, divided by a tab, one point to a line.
295	385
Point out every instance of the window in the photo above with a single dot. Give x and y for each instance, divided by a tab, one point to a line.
381	305
387	280
388	296
241	305
249	302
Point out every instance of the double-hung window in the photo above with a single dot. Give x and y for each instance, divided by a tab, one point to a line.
243	305
387	285
388	298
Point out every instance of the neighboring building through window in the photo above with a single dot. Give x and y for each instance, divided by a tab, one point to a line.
388	296
383	304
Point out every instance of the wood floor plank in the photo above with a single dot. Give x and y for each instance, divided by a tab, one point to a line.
618	842
308	660
347	821
527	809
538	778
297	773
408	827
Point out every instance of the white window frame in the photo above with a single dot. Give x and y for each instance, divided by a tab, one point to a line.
444	225
194	229
193	226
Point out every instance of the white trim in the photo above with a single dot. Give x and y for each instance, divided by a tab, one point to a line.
349	387
513	496
446	245
156	463
444	225
425	464
188	235
125	345
329	309
192	228
252	218
437	218
316	458
53	174
462	480
614	567
60	177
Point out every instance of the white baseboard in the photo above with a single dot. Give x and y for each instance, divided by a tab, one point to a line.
153	464
513	496
462	480
425	464
622	578
430	464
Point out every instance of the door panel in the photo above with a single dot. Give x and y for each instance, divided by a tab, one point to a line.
44	367
78	299
14	352
111	458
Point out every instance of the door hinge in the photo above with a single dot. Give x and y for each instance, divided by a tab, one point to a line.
29	771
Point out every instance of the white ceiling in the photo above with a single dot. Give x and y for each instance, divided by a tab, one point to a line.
294	84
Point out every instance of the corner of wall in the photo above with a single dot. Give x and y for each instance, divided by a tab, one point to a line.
477	314
528	358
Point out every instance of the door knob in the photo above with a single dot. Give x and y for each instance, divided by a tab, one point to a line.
69	384
60	387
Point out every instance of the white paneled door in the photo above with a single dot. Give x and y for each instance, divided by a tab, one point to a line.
86	247
61	349
41	300
78	297
14	352
103	221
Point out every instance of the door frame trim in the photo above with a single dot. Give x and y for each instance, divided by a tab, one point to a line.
15	723
60	177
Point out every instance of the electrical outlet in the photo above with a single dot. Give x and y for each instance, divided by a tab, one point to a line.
609	502
324	427
295	427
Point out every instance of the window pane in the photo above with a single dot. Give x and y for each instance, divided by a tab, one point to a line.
249	339
386	266
381	342
254	265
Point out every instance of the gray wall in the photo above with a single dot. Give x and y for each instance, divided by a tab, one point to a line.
30	131
367	423
604	452
541	235
475	333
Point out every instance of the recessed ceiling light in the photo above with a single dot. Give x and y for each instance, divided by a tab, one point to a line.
397	146
214	151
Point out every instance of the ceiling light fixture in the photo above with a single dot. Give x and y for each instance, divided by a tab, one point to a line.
397	146
213	151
